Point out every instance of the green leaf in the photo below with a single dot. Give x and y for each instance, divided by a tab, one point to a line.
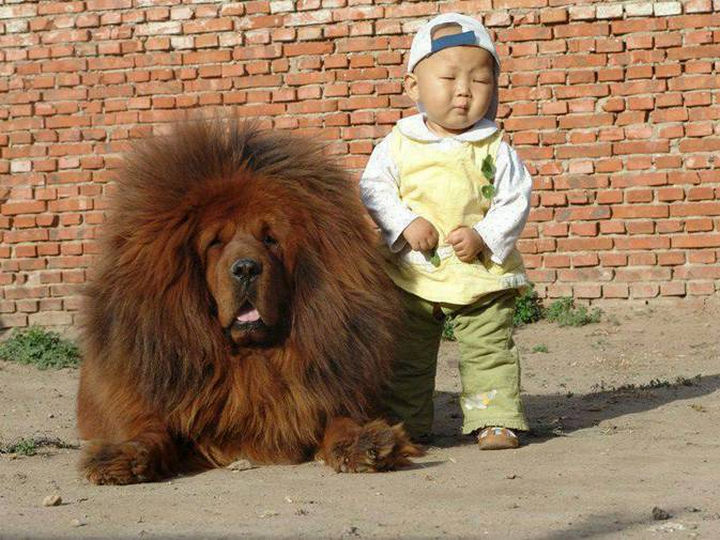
488	191
488	168
433	257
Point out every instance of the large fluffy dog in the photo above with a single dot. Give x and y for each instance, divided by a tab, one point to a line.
237	310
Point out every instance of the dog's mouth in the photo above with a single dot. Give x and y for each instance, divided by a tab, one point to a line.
248	327
247	317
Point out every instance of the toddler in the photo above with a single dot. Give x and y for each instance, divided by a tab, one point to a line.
451	199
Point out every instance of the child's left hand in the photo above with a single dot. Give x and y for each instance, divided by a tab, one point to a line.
466	242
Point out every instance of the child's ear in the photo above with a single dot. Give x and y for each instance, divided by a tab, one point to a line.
411	87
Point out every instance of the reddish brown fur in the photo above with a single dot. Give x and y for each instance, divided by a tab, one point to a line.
165	386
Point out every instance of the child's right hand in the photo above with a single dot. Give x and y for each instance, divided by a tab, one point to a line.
421	235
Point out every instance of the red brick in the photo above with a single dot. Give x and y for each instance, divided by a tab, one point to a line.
700	288
701	193
615	290
585	259
556	261
555	229
642	258
696	209
641	211
702	256
584	228
642	147
698	225
587	290
553	199
586	275
670	194
25	207
613	259
639	195
525	33
697	240
584	244
672	288
644	290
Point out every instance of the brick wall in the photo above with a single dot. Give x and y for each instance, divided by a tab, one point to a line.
614	106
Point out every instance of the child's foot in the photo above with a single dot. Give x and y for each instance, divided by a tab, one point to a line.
497	438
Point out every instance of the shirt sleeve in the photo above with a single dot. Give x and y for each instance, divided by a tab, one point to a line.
380	194
506	218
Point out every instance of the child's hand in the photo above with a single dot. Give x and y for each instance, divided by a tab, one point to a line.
466	242
421	235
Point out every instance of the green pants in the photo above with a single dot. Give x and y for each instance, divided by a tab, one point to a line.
489	363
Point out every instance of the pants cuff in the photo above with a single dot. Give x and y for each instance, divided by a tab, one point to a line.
513	422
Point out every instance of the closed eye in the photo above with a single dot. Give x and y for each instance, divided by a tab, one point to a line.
269	241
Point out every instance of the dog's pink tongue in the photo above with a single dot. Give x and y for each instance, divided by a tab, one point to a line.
248	315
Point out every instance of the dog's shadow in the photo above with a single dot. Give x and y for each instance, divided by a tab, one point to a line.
556	415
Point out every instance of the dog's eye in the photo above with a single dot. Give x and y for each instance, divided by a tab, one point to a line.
269	241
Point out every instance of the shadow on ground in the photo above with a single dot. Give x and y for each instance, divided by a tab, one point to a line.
555	415
602	525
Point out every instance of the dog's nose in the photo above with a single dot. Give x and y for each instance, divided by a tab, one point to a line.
246	269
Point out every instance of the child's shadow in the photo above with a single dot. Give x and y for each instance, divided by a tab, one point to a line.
555	415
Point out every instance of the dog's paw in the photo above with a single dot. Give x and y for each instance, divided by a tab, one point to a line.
374	447
123	463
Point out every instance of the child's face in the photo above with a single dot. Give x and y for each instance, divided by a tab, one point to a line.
455	86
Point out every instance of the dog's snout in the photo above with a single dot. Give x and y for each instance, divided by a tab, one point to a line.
246	269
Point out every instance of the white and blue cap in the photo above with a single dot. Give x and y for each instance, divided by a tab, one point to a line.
473	34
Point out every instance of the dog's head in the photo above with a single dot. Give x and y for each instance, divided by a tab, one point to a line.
224	240
247	241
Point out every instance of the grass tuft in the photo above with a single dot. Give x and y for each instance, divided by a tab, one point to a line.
528	307
29	446
564	313
41	348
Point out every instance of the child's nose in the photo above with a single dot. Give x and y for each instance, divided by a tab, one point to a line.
462	87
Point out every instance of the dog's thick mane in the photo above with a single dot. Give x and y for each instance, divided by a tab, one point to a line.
149	314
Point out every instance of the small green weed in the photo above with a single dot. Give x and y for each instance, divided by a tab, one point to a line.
528	308
29	446
24	447
448	334
540	348
39	347
564	313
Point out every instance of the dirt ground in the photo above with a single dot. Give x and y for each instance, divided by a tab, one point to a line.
625	416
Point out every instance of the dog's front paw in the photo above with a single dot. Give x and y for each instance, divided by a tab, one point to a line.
374	447
123	463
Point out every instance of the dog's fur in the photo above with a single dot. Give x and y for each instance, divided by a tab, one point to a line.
210	228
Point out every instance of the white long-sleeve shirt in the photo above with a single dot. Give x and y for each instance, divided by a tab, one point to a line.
504	221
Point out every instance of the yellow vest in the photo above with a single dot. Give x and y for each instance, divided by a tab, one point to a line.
445	187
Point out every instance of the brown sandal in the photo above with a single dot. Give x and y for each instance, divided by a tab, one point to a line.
497	438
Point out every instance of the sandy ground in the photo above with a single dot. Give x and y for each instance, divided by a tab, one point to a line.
602	455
